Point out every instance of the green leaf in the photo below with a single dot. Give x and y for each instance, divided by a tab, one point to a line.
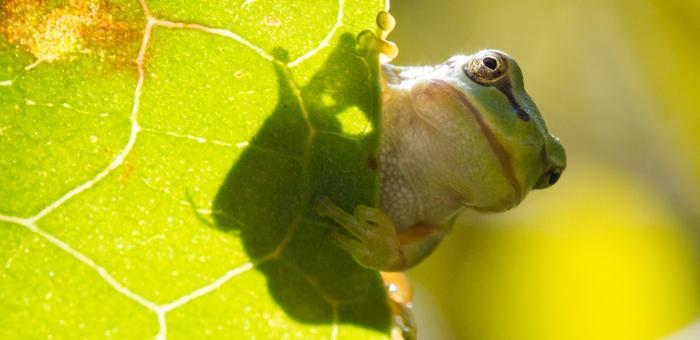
160	162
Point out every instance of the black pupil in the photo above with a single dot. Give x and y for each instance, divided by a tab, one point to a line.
490	63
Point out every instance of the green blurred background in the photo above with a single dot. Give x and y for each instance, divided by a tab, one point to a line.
612	250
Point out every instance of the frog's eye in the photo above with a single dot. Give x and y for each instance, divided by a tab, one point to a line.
486	68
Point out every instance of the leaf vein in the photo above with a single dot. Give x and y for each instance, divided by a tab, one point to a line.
195	138
326	39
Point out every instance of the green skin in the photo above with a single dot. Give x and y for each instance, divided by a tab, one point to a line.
460	134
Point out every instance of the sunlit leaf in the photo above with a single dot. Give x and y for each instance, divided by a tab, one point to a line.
159	162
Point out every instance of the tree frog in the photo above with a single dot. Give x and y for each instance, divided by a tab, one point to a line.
462	134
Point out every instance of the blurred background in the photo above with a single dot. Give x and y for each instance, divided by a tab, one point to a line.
612	250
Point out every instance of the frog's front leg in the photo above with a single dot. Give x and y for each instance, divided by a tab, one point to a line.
377	245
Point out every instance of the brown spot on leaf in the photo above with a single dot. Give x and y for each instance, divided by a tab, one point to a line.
62	31
271	20
127	170
372	163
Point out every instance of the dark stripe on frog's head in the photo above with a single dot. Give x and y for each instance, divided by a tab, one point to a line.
506	87
498	149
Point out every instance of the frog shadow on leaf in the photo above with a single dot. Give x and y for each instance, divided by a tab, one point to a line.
267	196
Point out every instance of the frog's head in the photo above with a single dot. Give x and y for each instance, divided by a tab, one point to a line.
489	84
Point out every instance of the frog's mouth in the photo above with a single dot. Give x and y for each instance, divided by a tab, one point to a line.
498	149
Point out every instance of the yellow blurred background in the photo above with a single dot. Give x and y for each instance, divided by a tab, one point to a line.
612	251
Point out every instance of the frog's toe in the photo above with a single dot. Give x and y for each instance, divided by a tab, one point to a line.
404	322
374	216
367	224
347	243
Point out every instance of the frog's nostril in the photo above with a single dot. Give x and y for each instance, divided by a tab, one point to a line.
554	176
548	179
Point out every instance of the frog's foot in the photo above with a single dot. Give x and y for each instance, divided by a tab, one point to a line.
375	245
398	291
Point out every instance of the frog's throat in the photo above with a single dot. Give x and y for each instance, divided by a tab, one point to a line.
496	146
